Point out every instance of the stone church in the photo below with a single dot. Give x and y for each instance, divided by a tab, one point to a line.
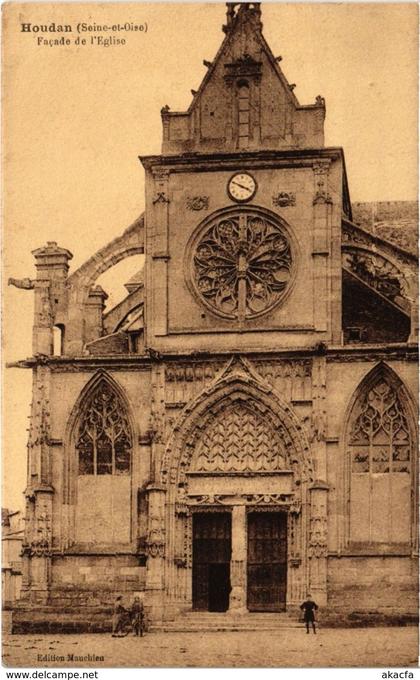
240	430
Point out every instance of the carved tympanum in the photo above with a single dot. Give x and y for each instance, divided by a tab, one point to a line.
242	264
239	440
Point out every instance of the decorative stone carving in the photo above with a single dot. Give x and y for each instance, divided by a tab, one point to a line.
321	169
322	196
157	420
353	234
198	202
283	500
318	537
242	264
238	384
39	428
39	548
239	440
26	284
155	543
376	271
284	199
160	197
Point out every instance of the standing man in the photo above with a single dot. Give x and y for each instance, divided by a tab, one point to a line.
309	607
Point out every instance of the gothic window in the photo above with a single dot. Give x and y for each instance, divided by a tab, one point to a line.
379	446
242	264
104	439
243	114
379	437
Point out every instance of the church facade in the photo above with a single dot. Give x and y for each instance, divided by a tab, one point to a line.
240	430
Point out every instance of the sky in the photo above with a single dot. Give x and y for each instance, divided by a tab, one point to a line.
76	118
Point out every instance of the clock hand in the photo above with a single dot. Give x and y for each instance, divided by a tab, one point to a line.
242	186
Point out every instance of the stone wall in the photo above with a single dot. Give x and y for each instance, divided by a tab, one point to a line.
395	221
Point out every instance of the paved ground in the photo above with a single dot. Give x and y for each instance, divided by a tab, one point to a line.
293	648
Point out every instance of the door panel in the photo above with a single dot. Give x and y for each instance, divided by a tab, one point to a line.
211	561
267	561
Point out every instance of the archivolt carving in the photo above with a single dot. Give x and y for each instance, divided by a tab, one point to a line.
236	390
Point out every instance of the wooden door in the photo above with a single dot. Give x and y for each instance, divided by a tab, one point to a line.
211	561
267	561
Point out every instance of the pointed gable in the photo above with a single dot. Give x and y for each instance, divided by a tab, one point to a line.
244	101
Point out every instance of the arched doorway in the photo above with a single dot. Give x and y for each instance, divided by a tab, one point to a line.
237	473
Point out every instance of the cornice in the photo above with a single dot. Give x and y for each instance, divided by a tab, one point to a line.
336	353
211	161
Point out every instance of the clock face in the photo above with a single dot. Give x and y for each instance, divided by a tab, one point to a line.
242	187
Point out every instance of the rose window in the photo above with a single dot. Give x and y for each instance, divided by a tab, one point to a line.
242	265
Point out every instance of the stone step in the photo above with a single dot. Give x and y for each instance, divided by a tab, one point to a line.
192	622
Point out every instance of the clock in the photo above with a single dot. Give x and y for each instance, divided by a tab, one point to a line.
241	187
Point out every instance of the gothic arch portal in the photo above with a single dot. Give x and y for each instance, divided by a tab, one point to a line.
240	411
380	463
100	447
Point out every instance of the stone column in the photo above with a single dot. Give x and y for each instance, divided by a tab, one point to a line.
321	244
52	266
160	249
318	542
94	311
237	604
37	543
155	549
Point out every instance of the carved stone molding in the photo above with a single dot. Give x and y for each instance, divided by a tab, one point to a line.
321	170
160	174
322	196
376	271
284	501
38	548
155	543
160	197
321	167
284	199
198	202
318	537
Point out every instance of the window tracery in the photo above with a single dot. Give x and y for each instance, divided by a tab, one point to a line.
242	264
379	437
104	440
379	444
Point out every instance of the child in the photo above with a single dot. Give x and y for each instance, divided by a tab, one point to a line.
309	607
137	617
